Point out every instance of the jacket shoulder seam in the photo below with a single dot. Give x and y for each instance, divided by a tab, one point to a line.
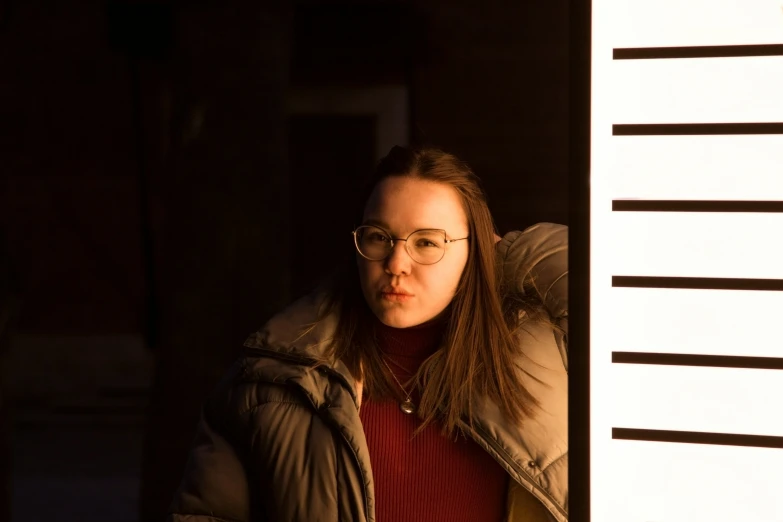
265	403
212	518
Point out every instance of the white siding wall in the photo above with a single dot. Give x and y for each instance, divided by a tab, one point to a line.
725	401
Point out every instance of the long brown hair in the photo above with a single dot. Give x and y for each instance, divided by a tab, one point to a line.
479	353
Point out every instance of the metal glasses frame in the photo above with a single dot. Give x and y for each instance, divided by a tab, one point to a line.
393	239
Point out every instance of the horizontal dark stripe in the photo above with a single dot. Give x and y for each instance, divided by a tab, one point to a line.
705	51
689	359
667	205
698	437
106	409
692	129
698	283
118	392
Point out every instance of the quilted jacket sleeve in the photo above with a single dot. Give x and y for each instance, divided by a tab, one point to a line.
536	259
214	487
284	469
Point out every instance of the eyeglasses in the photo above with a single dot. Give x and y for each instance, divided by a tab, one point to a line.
426	247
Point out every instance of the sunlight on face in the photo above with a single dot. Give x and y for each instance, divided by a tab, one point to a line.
401	205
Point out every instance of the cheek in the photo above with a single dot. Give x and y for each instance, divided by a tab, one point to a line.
455	274
443	283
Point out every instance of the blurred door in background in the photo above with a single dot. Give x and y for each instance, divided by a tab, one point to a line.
329	155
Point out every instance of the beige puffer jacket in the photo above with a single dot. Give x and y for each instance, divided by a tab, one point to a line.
280	442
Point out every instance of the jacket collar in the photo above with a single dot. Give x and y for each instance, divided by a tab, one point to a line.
282	338
544	440
527	451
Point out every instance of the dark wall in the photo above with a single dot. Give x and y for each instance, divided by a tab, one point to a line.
490	83
70	199
147	197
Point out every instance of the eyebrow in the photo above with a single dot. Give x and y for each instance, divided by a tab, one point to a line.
382	224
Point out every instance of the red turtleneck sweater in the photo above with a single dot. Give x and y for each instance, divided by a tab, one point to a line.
429	478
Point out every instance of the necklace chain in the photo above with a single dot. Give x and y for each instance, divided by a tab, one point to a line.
407	406
407	395
398	365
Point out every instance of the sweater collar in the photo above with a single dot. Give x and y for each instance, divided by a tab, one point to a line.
416	342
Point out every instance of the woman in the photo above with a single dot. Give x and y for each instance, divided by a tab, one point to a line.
425	380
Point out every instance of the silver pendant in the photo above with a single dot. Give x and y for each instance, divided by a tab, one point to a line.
407	407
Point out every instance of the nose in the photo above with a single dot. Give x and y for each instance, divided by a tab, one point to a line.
398	261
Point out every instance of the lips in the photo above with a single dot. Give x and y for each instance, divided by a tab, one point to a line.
395	291
397	298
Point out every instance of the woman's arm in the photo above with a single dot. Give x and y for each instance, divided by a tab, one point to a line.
537	258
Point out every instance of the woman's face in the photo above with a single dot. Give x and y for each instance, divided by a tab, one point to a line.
401	205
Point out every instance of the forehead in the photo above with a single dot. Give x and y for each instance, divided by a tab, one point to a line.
404	204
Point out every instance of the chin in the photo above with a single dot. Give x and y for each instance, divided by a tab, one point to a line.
402	319
396	319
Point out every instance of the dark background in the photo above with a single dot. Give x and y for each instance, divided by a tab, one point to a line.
158	160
